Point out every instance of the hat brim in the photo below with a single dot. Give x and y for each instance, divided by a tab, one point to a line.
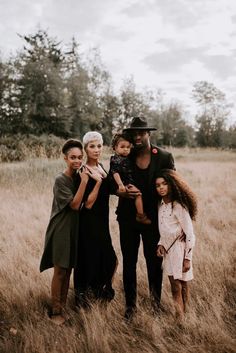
140	128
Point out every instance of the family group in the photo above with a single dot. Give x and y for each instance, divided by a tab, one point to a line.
155	205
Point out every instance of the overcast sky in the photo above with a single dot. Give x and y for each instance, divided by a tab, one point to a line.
167	44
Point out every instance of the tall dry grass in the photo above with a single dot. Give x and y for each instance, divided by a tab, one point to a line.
26	194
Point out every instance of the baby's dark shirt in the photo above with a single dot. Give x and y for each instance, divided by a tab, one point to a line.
122	165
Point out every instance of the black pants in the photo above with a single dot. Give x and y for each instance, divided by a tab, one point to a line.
130	235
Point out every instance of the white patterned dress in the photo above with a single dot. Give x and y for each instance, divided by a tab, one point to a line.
172	222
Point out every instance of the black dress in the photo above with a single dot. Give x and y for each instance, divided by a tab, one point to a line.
96	256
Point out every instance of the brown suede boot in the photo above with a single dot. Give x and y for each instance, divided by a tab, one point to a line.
57	317
142	218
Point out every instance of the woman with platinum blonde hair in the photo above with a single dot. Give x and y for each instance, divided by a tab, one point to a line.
91	136
97	260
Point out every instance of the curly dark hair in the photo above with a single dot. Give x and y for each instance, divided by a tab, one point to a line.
119	136
71	143
180	191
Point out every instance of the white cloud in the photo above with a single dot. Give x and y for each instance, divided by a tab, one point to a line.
166	44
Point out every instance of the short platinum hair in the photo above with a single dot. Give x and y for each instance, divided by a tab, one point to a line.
91	136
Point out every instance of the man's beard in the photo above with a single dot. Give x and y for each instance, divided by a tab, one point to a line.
139	146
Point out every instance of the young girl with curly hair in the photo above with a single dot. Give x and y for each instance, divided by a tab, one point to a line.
177	209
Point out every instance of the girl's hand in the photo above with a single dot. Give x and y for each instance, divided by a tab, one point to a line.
186	265
160	251
83	172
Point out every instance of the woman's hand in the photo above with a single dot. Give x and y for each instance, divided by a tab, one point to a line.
94	174
97	177
160	251
186	265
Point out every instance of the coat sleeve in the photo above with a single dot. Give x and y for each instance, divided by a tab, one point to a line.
186	223
166	158
162	240
169	163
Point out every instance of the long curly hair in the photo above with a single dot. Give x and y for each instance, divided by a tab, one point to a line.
180	191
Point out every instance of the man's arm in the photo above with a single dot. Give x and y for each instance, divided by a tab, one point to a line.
171	162
167	160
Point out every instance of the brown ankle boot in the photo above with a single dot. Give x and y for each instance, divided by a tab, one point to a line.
57	317
142	218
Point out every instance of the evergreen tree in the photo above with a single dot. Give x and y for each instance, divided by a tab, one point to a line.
171	122
232	135
110	106
77	91
39	85
132	103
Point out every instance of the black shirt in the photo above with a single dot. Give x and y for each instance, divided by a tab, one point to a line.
141	182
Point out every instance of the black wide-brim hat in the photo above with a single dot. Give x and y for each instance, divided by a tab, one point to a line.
139	123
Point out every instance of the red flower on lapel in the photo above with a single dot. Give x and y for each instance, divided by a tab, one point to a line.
154	150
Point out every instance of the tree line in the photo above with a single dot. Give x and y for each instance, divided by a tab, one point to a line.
48	89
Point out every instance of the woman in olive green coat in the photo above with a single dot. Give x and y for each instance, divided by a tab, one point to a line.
61	240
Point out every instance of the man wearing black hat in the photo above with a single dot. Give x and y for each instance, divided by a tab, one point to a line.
146	160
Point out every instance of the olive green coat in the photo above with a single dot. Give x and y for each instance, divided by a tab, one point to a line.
60	247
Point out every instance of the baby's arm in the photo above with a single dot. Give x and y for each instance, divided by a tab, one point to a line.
119	182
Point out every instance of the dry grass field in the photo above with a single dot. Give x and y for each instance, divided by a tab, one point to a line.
209	326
